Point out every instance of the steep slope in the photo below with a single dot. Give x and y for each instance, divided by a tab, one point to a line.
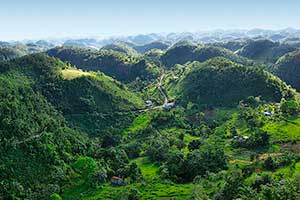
264	51
118	65
288	69
36	145
220	82
90	101
180	54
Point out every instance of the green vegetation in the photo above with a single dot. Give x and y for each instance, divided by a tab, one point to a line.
120	47
264	51
220	82
74	132
123	67
180	54
8	53
151	46
287	68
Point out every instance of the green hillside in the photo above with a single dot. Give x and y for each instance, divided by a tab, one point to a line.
288	69
93	106
120	47
36	143
123	67
264	51
182	53
221	82
153	45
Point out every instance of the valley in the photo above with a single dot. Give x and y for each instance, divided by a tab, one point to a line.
177	116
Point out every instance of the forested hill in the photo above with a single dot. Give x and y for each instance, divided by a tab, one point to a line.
264	51
98	99
184	52
45	118
221	82
288	68
123	67
36	144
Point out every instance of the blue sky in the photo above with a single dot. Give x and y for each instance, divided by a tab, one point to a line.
32	19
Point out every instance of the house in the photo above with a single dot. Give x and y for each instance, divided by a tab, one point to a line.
148	103
241	139
268	114
169	106
117	181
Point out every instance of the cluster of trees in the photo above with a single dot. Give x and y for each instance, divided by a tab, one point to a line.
199	162
220	82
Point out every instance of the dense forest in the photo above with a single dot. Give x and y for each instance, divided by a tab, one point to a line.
150	118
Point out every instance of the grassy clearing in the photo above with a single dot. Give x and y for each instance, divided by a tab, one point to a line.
284	130
149	170
139	123
70	74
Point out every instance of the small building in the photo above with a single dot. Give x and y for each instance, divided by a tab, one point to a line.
148	103
267	114
117	181
169	106
240	138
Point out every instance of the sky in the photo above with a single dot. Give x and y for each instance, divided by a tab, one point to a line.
36	19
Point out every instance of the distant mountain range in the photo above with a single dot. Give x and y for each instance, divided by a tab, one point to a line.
288	35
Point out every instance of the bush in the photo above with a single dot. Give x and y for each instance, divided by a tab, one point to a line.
158	150
210	158
291	107
133	150
85	166
55	196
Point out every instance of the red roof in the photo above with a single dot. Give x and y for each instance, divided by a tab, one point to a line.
116	178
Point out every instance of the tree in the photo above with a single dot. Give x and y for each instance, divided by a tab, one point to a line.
158	150
134	194
231	187
175	167
291	107
210	158
194	144
199	193
55	196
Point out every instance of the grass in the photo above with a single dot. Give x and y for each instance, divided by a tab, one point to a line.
139	123
284	130
149	170
70	74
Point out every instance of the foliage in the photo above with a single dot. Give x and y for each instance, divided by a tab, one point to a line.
220	82
180	54
287	68
123	67
264	50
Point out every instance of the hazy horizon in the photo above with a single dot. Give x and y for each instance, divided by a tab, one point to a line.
57	19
